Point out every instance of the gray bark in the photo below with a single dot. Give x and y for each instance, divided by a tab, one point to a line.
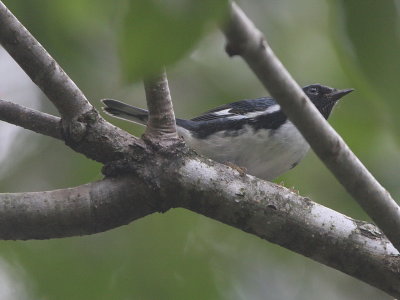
161	126
40	67
143	178
258	207
30	119
246	40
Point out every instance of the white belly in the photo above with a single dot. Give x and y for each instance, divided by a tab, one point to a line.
263	154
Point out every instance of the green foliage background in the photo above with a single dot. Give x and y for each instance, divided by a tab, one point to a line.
107	46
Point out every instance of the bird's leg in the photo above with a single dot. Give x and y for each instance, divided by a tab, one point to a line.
242	170
292	189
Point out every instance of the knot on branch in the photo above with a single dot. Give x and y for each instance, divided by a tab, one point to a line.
120	167
75	130
369	230
155	155
153	165
168	146
242	47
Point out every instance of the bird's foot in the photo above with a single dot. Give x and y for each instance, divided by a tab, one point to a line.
242	170
292	189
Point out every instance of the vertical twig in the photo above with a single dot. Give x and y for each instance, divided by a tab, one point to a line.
161	126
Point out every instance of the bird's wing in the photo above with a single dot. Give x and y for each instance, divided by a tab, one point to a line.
239	109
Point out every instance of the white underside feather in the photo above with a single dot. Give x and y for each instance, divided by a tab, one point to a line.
263	154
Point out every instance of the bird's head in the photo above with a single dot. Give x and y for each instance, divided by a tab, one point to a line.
324	97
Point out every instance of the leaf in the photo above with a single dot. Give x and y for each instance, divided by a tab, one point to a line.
156	33
69	30
370	37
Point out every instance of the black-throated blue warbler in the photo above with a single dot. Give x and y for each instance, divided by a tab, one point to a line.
254	134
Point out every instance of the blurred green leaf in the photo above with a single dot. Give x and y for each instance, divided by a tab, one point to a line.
369	32
156	33
67	29
180	255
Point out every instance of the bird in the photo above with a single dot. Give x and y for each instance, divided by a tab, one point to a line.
253	134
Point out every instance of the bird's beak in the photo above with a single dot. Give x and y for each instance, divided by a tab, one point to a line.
337	94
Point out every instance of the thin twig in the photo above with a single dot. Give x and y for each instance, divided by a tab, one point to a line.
246	40
161	125
102	141
41	67
30	119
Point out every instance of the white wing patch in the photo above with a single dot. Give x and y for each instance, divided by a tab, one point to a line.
268	111
229	115
249	115
272	109
222	112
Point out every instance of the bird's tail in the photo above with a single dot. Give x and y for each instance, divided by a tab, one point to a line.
125	111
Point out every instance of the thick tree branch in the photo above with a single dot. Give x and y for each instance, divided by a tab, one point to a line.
30	119
41	67
160	180
246	40
161	125
280	216
261	208
82	210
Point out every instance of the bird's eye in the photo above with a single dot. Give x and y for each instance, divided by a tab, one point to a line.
313	90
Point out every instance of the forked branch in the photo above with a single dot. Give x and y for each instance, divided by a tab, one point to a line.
156	182
41	67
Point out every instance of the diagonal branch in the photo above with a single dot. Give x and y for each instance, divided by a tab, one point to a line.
158	183
161	125
82	127
101	141
280	216
244	39
30	119
41	67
